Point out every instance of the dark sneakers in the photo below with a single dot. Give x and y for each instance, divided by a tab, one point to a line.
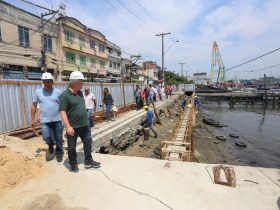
74	168
59	157
51	150
91	164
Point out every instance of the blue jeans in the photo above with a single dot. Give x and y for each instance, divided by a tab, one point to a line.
108	111
89	117
52	134
85	135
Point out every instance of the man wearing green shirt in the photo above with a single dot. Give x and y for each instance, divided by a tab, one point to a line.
74	115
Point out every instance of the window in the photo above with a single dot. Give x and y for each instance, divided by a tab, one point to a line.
102	64
93	62
101	48
70	57
23	34
82	41
48	43
92	44
0	35
83	61
119	66
69	35
110	64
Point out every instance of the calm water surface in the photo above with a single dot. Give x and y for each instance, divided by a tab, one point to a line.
257	127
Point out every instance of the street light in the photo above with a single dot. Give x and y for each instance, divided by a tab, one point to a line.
171	46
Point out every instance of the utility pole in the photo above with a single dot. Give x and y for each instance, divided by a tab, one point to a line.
136	58
162	54
182	68
186	75
41	29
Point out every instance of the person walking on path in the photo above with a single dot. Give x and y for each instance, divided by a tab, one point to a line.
149	119
108	101
137	94
184	103
147	95
90	103
74	115
166	90
160	92
153	93
51	124
196	102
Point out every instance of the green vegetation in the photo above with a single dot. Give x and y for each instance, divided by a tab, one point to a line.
173	79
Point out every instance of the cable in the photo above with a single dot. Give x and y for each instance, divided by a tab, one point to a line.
136	16
136	191
126	15
259	69
147	12
254	59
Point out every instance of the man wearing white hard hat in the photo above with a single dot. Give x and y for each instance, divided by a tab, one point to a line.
51	124
74	115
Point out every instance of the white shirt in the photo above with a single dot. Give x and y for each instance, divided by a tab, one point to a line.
89	100
153	91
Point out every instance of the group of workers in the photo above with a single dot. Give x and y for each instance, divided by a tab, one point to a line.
73	110
71	107
145	95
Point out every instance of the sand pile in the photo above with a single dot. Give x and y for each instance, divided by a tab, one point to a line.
19	161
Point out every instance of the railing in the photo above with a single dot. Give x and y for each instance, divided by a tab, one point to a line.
16	99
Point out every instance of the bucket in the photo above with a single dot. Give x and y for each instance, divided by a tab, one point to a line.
146	133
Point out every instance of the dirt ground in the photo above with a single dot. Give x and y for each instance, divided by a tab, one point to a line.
207	148
151	147
20	161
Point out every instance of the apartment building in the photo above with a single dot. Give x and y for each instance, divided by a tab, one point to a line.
80	48
21	44
114	59
150	70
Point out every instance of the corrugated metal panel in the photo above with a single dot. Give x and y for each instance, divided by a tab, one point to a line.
16	99
116	91
129	93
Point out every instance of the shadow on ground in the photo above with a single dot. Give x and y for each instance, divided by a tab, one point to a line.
49	201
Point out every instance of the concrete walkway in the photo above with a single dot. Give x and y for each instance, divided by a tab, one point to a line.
126	183
103	132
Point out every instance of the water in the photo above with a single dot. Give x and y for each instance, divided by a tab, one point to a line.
257	127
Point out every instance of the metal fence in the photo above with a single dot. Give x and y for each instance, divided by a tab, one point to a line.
16	99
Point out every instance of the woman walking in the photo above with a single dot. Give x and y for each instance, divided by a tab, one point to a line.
108	101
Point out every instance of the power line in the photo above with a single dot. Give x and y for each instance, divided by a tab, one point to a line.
50	10
148	13
136	16
110	3
253	59
265	68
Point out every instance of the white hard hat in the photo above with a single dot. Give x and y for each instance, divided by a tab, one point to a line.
47	76
77	75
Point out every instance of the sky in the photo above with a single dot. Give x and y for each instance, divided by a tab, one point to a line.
243	29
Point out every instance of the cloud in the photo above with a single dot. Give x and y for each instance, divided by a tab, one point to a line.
243	29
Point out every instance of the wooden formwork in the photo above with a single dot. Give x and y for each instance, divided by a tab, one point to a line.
180	146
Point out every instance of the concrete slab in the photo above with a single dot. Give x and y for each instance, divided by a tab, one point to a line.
126	183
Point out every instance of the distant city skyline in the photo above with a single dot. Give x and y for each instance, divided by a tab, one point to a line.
243	29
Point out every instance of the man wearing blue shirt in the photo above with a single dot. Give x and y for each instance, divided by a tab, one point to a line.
48	98
150	119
